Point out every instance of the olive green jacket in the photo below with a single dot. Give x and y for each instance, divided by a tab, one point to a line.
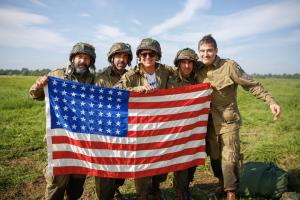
134	79
177	80
224	76
108	78
38	93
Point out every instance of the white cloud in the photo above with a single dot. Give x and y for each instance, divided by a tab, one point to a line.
244	24
257	20
108	31
19	28
84	15
181	17
137	22
38	2
110	34
107	35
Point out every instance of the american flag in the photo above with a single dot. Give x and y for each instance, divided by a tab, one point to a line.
115	133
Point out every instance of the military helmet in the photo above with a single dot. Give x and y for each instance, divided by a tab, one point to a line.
149	44
82	47
186	53
120	47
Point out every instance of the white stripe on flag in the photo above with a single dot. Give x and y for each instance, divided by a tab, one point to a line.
125	140
169	124
164	98
166	111
127	168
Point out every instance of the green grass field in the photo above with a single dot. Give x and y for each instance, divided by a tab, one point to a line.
23	152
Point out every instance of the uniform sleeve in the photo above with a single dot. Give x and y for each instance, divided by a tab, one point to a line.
127	82
36	93
171	69
254	87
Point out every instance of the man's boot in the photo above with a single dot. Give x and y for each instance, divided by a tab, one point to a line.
119	196
230	195
180	195
220	187
183	195
156	192
142	196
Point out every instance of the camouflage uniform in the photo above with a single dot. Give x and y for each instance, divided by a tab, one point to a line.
133	81
106	187
224	121
183	178
71	183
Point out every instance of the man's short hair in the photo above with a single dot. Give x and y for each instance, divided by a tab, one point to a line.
207	39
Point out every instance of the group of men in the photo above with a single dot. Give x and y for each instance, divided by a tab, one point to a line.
223	144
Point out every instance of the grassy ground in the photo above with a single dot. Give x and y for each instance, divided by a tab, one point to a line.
23	153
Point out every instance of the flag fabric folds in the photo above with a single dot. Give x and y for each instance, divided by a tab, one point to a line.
115	133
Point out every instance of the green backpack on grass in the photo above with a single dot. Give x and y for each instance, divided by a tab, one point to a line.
259	179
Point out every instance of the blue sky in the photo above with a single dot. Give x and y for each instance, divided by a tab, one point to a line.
263	36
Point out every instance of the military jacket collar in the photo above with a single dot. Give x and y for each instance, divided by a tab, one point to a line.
216	63
139	69
112	72
190	79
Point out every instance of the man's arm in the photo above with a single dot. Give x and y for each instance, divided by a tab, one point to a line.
128	80
36	91
254	87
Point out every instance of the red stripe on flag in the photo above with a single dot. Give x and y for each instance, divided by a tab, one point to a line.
125	147
151	172
163	131
165	118
168	104
125	161
171	91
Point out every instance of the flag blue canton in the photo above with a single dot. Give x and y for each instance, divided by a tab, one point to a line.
84	108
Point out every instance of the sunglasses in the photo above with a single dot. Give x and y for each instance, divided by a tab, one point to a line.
150	54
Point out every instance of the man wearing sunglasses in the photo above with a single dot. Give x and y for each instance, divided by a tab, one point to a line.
147	76
119	56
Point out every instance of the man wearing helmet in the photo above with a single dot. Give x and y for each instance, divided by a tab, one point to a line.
186	63
147	76
81	69
119	56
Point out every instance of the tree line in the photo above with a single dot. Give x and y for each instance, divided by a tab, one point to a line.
40	72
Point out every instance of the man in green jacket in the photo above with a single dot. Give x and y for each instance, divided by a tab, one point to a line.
223	146
147	76
81	69
119	56
186	62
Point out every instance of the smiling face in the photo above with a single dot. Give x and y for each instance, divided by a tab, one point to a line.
82	63
120	61
186	67
148	59
208	53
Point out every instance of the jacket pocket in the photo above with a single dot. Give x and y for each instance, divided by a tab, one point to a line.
222	82
230	114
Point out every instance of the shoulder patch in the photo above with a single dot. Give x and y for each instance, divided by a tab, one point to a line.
243	73
231	61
